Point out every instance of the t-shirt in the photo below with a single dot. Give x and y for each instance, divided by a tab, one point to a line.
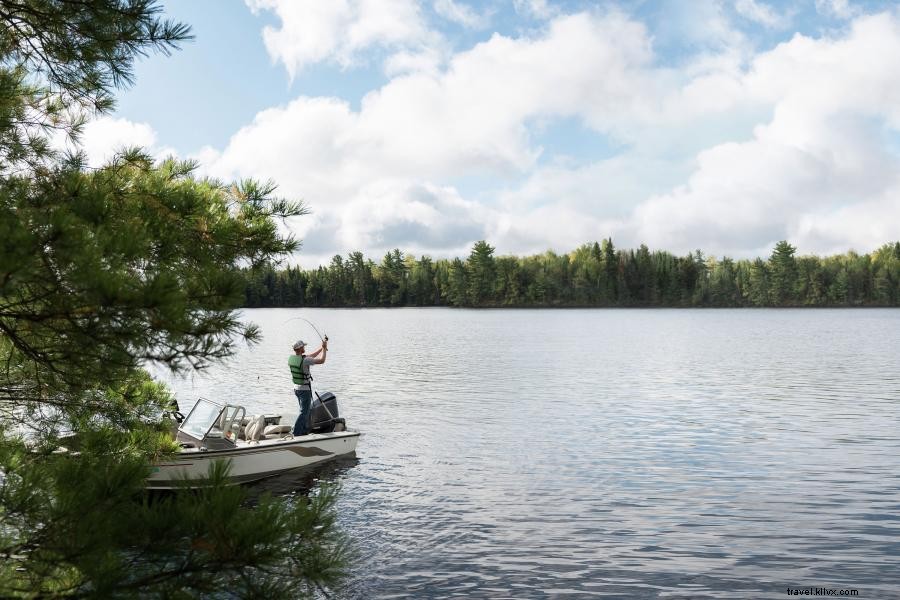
295	361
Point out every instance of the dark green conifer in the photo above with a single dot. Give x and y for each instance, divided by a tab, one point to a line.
481	271
102	270
783	269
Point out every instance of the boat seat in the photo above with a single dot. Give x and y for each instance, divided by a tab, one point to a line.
277	430
266	432
255	428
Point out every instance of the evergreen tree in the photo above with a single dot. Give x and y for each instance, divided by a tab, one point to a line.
510	281
645	291
759	289
687	279
839	290
887	274
421	286
611	269
362	280
701	287
392	279
101	271
722	291
783	273
481	273
588	276
458	283
811	286
337	282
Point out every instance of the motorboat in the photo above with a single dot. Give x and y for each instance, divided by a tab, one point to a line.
257	446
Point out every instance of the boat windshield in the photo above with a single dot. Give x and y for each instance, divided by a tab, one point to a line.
202	417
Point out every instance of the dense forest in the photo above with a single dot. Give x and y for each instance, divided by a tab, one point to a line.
595	274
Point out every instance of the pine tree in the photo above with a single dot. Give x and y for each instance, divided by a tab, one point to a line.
458	284
783	269
611	269
482	272
392	279
759	292
101	271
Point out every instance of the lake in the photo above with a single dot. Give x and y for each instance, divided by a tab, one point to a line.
615	453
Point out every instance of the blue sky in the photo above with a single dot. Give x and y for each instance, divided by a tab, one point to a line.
725	125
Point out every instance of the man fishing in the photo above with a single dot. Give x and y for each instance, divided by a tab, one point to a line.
299	364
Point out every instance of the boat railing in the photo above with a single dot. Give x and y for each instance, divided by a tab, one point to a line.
231	420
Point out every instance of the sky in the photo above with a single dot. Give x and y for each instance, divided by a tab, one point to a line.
721	125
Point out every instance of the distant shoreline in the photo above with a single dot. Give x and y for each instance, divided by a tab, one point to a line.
594	275
437	307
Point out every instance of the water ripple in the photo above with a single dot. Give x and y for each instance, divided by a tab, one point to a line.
592	453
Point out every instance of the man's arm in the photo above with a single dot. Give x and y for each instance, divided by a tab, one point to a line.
320	360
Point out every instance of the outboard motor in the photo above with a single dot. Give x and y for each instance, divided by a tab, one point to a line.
323	414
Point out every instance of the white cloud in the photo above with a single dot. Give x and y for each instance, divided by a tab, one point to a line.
426	60
305	146
760	12
728	152
462	14
431	125
416	217
473	116
469	118
312	31
821	155
103	137
539	9
842	9
550	227
861	226
817	172
704	26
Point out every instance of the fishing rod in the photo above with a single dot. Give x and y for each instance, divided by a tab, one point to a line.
321	337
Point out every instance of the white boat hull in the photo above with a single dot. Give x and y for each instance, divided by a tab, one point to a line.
251	461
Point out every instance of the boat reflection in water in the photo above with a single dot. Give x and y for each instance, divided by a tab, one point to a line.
304	479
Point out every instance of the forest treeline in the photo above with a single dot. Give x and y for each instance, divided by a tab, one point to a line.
595	275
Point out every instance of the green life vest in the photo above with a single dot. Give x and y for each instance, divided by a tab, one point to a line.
295	362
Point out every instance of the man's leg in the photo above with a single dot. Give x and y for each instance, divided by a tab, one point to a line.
301	427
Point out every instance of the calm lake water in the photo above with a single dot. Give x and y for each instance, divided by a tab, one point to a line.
613	453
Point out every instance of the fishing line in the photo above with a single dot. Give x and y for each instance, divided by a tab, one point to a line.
322	338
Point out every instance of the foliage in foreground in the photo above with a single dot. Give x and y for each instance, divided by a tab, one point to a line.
595	274
126	543
103	270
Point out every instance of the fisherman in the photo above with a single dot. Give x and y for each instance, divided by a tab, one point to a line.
299	364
